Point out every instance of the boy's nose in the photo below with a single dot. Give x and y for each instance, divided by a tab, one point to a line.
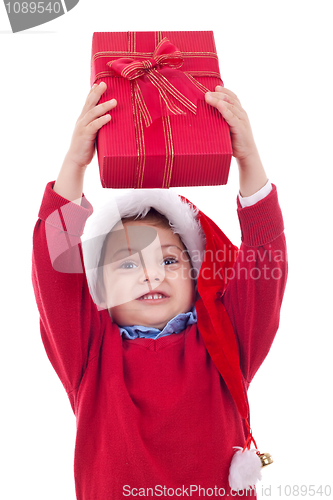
153	274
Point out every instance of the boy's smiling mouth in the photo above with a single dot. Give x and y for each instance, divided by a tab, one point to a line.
156	296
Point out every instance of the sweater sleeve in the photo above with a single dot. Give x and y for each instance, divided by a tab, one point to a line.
69	319
254	293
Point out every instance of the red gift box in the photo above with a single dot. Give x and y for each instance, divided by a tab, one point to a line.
162	132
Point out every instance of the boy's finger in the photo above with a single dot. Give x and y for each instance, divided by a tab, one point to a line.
229	114
93	97
214	97
92	88
95	125
225	97
227	91
95	94
224	107
98	111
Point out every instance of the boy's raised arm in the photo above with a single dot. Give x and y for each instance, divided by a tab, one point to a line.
254	293
70	323
253	296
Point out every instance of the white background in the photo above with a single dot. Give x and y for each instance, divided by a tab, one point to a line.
277	57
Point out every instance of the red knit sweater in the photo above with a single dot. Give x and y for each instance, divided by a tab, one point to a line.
154	418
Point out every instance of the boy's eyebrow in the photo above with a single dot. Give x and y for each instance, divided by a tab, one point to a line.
130	251
165	246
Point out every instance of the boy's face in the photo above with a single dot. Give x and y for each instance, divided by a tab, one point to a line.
160	268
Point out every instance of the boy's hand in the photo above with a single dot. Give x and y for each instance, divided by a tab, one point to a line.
252	175
92	118
227	103
69	183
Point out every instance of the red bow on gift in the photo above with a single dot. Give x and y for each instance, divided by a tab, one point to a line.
160	77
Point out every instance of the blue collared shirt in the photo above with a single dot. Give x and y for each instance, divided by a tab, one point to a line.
175	325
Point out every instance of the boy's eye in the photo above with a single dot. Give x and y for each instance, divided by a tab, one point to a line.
128	265
171	260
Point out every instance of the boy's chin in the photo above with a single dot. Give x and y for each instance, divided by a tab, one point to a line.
151	317
156	319
151	322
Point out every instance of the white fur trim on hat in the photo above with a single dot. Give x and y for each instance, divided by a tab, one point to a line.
181	216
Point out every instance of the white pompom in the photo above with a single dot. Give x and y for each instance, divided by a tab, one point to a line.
245	469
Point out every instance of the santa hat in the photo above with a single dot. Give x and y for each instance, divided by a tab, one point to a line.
211	254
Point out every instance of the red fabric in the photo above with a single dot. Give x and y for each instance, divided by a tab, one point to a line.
151	412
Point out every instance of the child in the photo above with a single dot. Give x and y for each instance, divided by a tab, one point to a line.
157	341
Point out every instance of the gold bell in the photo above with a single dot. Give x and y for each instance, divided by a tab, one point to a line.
265	459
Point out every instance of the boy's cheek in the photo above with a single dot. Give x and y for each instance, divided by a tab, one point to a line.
173	273
120	297
179	272
119	292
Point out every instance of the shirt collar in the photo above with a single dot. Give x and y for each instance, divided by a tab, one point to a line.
175	325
